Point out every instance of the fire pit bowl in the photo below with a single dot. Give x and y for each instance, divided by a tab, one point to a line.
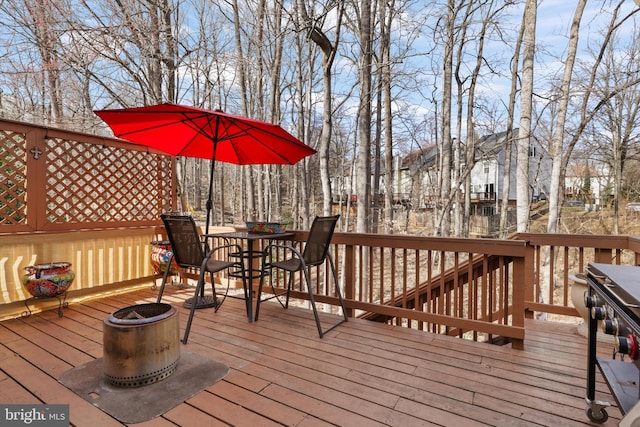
141	344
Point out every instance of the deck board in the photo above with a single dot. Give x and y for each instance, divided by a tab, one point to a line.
361	374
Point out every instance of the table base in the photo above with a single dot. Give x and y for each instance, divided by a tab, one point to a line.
202	302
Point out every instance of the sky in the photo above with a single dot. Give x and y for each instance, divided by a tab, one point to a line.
552	30
554	22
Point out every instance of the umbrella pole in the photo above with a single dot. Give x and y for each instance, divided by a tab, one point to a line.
213	163
202	301
210	197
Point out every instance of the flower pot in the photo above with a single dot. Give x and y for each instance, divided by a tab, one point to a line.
48	280
160	255
578	289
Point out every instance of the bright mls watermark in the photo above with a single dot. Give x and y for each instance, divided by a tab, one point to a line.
34	415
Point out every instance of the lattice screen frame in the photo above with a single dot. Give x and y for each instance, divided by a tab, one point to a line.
58	180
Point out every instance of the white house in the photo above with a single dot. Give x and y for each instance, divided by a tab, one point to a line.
487	175
599	189
415	175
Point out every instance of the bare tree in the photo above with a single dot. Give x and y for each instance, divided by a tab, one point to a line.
313	26
364	119
239	29
591	100
38	27
557	142
136	45
62	58
386	14
487	13
618	125
445	143
524	134
506	180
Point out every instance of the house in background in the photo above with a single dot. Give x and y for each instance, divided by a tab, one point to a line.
415	176
588	182
487	175
407	171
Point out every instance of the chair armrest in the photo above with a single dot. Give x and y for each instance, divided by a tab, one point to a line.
287	248
205	242
229	247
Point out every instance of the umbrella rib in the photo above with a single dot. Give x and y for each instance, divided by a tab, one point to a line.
189	121
246	131
123	135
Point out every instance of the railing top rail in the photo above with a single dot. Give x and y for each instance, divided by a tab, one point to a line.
601	241
448	244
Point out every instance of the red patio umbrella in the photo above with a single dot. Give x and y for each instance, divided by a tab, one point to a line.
181	130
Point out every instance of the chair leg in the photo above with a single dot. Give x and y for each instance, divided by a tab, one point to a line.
277	295
215	295
321	333
199	289
286	305
164	279
313	302
337	287
263	273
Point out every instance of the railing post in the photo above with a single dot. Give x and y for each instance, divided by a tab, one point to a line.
523	272
604	256
349	276
529	279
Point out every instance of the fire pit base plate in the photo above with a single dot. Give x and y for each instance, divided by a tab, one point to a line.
194	374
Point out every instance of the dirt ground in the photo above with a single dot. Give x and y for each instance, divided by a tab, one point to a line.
576	220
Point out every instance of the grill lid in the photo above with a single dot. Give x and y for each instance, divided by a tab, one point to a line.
622	282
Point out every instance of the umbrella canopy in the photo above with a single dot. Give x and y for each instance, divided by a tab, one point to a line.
181	130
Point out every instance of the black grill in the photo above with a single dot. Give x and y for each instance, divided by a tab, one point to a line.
614	301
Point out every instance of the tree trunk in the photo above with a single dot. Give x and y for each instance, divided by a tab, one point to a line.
328	54
250	211
364	124
506	177
386	17
557	141
524	134
444	205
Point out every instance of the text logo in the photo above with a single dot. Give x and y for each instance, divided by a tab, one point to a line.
34	415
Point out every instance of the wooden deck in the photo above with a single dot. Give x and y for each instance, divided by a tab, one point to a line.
361	374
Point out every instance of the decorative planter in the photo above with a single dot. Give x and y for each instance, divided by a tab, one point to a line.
265	227
48	280
160	255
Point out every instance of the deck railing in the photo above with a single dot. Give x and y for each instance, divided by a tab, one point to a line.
557	256
480	289
472	288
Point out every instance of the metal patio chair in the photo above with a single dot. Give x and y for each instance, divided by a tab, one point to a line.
314	254
192	252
